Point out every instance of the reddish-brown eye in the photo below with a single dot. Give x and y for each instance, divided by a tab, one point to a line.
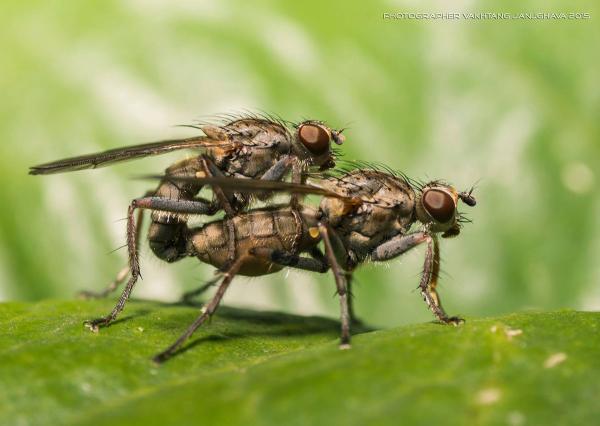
315	138
439	205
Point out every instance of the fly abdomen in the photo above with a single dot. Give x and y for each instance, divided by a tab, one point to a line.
168	232
168	240
278	229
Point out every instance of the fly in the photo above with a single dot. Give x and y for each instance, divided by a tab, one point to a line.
260	147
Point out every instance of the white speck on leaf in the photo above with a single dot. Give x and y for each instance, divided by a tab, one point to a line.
488	396
555	359
510	333
515	418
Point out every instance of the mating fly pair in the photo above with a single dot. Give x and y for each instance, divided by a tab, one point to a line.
365	214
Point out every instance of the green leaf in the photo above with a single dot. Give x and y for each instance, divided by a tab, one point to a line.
250	367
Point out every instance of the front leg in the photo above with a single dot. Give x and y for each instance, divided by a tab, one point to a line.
275	173
429	279
278	170
431	268
297	177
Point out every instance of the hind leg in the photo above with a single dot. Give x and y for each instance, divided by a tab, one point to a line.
197	206
124	271
205	313
275	256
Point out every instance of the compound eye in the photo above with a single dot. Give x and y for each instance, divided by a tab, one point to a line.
315	138
439	205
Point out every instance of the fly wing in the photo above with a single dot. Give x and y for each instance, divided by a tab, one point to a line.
117	155
383	188
233	133
253	185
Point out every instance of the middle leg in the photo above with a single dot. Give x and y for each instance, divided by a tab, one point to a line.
340	282
211	170
349	281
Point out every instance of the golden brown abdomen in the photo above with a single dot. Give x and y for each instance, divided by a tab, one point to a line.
273	228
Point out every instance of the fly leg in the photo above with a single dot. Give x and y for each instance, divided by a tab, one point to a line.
188	297
297	177
348	261
321	263
317	263
205	313
340	282
314	264
401	244
134	268
123	272
353	318
428	284
213	171
196	206
276	173
316	253
114	285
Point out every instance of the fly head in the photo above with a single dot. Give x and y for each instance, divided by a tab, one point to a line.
313	143
437	207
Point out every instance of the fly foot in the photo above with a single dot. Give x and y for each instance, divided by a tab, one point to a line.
95	324
455	321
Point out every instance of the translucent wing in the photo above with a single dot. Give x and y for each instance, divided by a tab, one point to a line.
101	159
253	185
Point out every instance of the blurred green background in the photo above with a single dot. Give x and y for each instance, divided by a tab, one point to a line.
513	105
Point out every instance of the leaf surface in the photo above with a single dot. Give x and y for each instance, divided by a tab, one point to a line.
250	367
